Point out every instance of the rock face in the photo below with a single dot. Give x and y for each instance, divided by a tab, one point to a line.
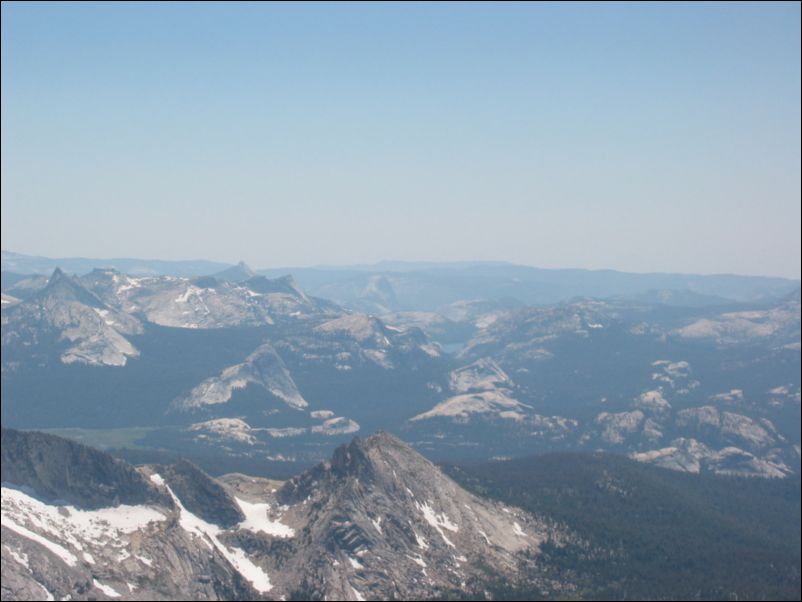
479	388
8	300
67	317
201	494
690	455
26	287
79	524
376	522
262	368
521	334
234	298
780	323
382	522
482	399
58	468
236	273
360	338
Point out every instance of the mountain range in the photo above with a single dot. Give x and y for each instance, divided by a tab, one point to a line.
229	418
246	366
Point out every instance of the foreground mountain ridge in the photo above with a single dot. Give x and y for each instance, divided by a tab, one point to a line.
378	521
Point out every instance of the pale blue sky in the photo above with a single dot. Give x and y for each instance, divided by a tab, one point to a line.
644	138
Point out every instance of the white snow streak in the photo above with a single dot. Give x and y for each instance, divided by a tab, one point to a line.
109	591
58	550
208	533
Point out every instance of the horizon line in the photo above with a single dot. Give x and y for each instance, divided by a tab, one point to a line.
466	263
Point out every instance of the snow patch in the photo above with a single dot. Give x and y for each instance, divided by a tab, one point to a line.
257	519
438	521
378	524
80	529
109	591
48	595
355	563
421	541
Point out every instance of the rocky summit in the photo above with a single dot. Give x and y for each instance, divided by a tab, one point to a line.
382	522
377	521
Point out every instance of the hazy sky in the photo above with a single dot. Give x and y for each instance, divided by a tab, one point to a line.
643	138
